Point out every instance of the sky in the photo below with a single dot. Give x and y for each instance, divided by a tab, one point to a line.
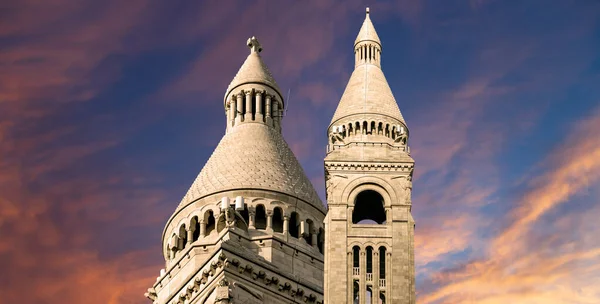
109	110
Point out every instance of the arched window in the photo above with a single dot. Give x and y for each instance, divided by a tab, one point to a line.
277	220
196	226
381	262
309	232
369	296
369	260
253	105
260	221
368	208
355	293
381	297
245	214
321	240
209	220
293	225
356	257
182	237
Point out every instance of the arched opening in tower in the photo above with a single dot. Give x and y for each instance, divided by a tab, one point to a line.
293	225
355	292
356	259
381	297
321	240
209	219
182	237
277	220
245	215
195	225
307	235
381	262
369	261
261	218
369	295
368	208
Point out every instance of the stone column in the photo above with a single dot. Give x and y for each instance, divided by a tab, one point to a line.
268	119
190	235
313	240
270	221
259	109
251	217
232	109
202	228
388	276
350	276
375	263
248	114
275	114
362	290
286	224
240	107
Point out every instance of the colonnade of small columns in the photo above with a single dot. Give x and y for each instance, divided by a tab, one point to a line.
367	53
398	133
257	218
254	106
368	279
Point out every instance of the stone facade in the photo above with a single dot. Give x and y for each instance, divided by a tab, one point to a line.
252	229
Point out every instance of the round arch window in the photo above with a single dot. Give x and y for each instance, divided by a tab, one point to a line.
368	208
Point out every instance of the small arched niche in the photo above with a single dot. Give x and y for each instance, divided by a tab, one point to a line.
368	208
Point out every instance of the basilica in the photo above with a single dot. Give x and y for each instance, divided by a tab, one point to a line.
252	229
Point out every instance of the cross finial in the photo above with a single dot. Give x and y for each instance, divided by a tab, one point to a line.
367	10
254	45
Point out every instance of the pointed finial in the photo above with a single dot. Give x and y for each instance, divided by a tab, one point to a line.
254	45
367	10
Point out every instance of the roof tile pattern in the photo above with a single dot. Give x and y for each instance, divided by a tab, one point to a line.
367	32
253	156
367	92
254	70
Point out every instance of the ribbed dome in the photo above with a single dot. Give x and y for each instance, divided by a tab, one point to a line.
253	156
367	92
253	71
367	31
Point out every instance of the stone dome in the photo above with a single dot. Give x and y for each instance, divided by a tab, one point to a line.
253	156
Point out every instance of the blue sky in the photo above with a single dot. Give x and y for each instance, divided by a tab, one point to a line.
108	111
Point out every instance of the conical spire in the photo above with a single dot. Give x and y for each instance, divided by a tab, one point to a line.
253	95
253	70
367	32
367	92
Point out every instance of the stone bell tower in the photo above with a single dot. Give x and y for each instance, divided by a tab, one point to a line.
368	170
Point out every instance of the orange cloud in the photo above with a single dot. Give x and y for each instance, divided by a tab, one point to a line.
519	268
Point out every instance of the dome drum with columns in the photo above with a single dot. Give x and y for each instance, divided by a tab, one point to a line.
253	95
